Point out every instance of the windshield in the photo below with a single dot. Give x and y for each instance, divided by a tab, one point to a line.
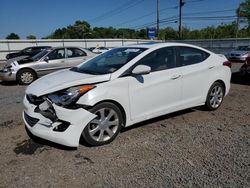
110	61
39	55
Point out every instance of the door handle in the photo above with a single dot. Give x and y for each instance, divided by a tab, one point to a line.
62	61
175	77
211	67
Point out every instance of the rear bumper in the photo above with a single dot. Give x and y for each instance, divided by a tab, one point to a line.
44	128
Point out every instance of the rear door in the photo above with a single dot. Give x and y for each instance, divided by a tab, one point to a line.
158	92
75	56
55	60
196	71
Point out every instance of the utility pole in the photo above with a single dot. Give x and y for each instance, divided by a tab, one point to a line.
158	19
237	26
180	18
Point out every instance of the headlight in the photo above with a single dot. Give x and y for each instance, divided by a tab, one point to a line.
69	96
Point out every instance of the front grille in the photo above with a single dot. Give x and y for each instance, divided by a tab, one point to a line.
34	99
30	120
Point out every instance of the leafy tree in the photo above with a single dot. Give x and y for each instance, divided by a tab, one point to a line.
31	37
12	36
244	11
80	30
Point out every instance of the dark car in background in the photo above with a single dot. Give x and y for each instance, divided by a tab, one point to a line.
28	52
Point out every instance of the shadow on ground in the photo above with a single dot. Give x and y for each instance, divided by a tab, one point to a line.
10	83
238	79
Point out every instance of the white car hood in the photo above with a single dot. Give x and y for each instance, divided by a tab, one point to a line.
63	80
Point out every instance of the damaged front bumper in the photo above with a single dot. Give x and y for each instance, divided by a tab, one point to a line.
6	75
65	129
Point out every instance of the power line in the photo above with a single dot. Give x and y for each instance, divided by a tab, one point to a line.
173	19
145	15
118	10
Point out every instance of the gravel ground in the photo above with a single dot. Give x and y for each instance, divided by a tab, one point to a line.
191	148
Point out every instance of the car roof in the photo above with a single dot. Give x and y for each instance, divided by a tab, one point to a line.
160	44
68	47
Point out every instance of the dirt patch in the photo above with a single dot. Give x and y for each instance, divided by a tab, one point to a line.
28	147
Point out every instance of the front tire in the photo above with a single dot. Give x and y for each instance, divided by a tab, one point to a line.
105	127
26	77
215	96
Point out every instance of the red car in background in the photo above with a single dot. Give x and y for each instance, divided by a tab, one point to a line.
245	68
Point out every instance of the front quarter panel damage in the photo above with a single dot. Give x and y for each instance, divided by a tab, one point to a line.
78	120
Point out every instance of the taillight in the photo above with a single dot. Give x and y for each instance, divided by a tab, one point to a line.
227	63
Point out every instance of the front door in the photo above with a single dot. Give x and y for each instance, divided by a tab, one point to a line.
158	92
55	60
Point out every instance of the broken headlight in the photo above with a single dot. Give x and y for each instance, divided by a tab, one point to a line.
69	96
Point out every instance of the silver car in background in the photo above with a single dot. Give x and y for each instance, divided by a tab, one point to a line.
239	54
26	70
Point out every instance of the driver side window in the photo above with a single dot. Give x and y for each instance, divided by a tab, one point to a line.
57	54
160	59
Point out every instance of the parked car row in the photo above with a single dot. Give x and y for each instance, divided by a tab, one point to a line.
27	69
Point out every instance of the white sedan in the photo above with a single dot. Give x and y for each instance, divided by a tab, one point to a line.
99	50
122	87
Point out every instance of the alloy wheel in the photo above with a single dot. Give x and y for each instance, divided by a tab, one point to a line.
104	126
216	96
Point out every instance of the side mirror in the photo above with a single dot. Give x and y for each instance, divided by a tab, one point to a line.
46	59
141	70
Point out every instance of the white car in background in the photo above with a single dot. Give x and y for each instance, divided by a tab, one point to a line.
99	50
122	87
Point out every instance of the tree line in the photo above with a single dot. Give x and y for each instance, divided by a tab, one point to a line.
82	30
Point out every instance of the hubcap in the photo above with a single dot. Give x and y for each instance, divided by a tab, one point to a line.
104	126
216	96
27	77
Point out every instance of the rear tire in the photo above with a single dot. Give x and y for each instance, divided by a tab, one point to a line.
243	71
215	96
26	77
105	127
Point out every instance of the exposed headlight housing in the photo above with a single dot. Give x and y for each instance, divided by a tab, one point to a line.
69	96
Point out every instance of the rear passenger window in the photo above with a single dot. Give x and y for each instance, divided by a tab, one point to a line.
190	56
75	52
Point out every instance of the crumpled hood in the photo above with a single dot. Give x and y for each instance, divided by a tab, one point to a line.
63	80
15	59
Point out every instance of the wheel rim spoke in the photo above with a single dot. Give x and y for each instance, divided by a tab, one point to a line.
93	131
115	122
110	115
110	132
102	114
96	121
101	136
